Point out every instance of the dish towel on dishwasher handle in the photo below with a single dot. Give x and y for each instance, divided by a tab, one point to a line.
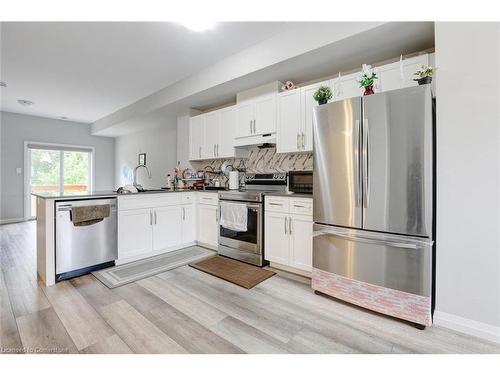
233	216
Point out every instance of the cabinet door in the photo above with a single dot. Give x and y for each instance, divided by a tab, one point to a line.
212	121
289	128
227	132
391	77
265	115
208	224
188	223
276	238
308	103
196	137
346	87
301	241
167	227
134	233
244	119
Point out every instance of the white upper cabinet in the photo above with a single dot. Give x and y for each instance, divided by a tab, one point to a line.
212	135
245	115
196	137
256	116
346	87
265	115
212	125
227	132
289	129
295	119
391	77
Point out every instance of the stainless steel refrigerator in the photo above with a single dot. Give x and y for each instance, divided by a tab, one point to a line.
373	202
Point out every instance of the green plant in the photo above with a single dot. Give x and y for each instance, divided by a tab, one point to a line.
323	94
425	71
367	77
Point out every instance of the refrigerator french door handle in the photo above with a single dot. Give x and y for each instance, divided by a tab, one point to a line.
366	163
285	223
357	132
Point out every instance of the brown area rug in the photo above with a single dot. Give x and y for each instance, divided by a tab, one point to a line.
231	270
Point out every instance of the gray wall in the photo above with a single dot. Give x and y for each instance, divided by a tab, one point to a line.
159	144
468	177
16	129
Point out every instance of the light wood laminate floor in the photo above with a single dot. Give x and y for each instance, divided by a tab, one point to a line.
187	311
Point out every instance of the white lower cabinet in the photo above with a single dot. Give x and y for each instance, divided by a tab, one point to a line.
208	224
188	223
301	242
152	224
277	241
166	227
135	234
288	235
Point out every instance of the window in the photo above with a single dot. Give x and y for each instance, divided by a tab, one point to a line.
58	170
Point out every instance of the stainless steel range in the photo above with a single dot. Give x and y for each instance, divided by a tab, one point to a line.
241	223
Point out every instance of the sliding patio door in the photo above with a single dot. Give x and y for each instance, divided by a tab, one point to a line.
56	170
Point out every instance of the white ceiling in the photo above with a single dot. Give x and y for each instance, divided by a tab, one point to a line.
85	71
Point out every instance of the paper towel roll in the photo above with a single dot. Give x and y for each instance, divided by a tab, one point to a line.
234	180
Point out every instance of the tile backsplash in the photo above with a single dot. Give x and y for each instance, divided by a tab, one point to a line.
264	160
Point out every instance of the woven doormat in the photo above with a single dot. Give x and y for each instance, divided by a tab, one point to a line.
239	273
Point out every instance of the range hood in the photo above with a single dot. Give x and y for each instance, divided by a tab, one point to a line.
255	140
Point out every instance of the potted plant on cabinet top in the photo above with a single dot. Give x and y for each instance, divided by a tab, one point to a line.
367	79
425	74
322	95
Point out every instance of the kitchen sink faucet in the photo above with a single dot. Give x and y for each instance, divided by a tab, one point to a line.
136	185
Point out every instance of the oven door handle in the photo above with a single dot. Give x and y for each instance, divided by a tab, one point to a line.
256	206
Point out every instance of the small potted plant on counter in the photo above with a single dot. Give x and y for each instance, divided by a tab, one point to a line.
323	95
367	79
425	74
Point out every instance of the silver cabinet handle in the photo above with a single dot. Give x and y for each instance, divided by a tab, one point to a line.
214	149
156	219
296	205
150	217
217	214
199	152
298	137
183	213
254	126
285	223
303	140
290	225
251	126
217	149
275	204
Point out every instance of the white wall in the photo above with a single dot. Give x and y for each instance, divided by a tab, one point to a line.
468	177
160	146
16	129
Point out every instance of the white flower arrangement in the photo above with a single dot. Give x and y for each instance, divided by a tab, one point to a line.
425	71
368	76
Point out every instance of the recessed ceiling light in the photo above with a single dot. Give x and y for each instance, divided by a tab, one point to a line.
63	118
198	25
25	103
3	84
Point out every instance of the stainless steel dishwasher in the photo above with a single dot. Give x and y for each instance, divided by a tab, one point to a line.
83	249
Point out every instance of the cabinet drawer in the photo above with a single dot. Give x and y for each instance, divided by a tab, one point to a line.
208	198
148	201
276	204
301	206
187	198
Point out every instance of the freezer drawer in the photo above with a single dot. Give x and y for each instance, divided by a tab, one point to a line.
396	262
84	246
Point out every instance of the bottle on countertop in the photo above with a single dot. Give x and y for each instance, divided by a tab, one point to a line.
169	181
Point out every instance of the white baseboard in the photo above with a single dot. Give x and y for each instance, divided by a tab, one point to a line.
467	326
11	221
